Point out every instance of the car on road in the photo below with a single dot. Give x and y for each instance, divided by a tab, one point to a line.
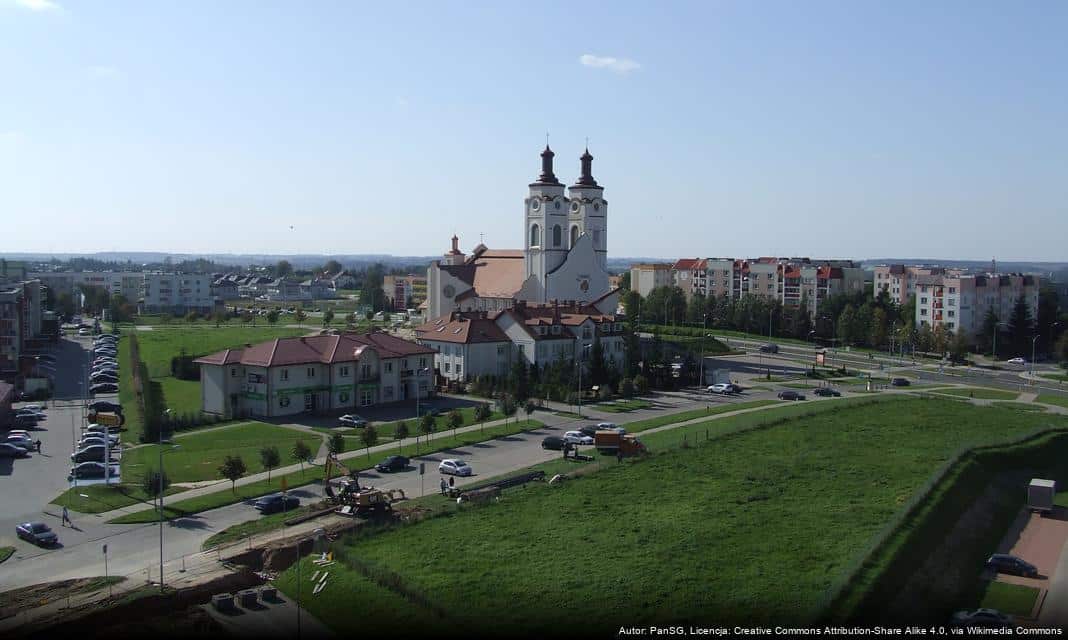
104	387
104	405
392	463
455	467
721	387
899	382
988	618
275	503
611	426
91	470
1005	563
11	451
1017	361
790	395
577	437
352	420
38	533
770	347
84	332
827	392
552	443
589	430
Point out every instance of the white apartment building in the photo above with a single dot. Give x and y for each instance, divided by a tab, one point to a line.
125	283
961	302
899	281
648	276
177	293
314	374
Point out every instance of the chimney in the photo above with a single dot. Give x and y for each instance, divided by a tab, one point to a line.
455	244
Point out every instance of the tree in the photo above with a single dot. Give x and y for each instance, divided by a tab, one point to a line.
301	453
482	413
1062	349
632	304
371	293
877	335
335	444
369	437
845	325
192	316
233	468
400	432
626	387
283	269
1048	304
989	329
300	316
697	308
328	317
333	267
1021	325
519	380
958	348
427	424
155	483
456	420
508	406
598	365
624	281
270	459
924	337
940	340
272	316
530	408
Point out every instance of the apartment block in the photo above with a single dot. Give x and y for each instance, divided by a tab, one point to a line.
648	276
21	316
399	290
961	302
899	280
177	293
691	275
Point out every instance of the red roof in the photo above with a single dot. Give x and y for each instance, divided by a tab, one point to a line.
690	264
326	349
461	329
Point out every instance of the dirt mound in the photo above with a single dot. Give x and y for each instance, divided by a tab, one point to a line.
41	594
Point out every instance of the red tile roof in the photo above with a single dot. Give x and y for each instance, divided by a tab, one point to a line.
326	349
690	264
461	329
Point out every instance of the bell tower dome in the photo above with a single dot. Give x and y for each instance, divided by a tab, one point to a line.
545	221
588	210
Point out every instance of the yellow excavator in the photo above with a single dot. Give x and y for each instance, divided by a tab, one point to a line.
351	498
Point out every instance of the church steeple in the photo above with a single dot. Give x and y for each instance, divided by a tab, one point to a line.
586	179
547	176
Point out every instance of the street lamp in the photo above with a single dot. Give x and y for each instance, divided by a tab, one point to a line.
1033	340
159	471
578	363
419	372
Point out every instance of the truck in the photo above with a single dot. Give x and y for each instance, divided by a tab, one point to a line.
1040	495
613	442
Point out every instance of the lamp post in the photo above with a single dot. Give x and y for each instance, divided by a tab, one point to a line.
578	363
159	471
419	372
1033	341
996	326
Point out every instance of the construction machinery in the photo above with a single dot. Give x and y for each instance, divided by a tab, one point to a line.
351	498
615	443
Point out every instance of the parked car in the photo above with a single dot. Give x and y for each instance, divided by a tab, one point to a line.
552	443
790	395
352	420
38	533
104	387
721	387
104	405
1017	361
989	618
589	430
38	415
105	378
611	426
91	470
769	348
93	415
1004	563
899	382
100	428
93	377
84	332
92	453
577	437
98	440
24	421
827	392
11	451
33	407
105	353
275	503
108	335
455	467
392	463
20	440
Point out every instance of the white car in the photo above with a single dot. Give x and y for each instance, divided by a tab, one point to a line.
1017	361
22	441
32	407
455	467
39	415
577	437
611	426
84	332
352	420
721	387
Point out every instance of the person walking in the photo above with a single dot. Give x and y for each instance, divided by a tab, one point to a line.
38	443
619	455
66	517
444	486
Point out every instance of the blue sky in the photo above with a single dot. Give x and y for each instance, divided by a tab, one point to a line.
851	129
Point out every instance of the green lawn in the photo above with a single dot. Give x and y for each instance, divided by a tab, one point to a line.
623	406
259	525
647	551
1061	499
101	498
1013	599
386	430
5	553
201	453
684	416
1055	376
1049	398
1019	406
981	393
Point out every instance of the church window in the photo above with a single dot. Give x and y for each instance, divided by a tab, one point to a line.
557	205
556	235
535	238
596	237
574	235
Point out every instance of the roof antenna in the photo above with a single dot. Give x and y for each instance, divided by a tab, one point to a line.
546	139
480	237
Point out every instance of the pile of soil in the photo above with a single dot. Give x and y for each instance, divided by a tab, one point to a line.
42	594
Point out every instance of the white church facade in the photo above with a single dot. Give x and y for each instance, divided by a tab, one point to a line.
563	260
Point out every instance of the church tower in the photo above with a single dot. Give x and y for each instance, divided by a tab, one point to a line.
545	222
588	211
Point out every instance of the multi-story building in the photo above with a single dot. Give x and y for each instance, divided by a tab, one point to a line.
314	374
21	316
961	302
471	344
899	280
691	275
177	293
647	276
128	284
400	290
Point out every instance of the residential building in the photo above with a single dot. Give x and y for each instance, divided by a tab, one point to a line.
645	277
564	255
223	289
961	302
723	277
177	293
343	280
691	275
7	396
483	343
317	289
128	284
400	290
21	317
899	280
314	374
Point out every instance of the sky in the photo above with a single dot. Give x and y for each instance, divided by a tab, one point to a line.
830	129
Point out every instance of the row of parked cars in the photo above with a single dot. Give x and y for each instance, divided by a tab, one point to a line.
18	443
581	436
104	370
96	449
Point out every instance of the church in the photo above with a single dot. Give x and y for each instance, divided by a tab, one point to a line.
563	259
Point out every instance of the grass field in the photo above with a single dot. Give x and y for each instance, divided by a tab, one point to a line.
693	414
623	406
100	498
1061	499
1019	406
386	430
1048	398
252	527
1014	599
981	393
5	553
646	543
1061	377
201	453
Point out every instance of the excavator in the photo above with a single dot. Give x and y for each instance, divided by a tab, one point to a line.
351	498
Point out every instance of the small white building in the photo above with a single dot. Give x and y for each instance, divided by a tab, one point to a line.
177	293
314	374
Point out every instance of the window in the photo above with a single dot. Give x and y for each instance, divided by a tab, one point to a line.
343	397
422	363
949	325
365	371
500	350
952	289
923	312
574	234
556	235
535	237
923	300
952	301
345	371
366	397
233	372
458	369
389	366
952	313
446	367
387	393
283	401
311	372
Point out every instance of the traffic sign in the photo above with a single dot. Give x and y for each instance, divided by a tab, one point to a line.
108	419
422	468
284	484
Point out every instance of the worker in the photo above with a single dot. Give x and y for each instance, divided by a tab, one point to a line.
38	443
452	482
444	486
619	455
66	517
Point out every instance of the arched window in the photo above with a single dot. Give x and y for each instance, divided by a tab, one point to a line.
574	235
556	235
535	236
